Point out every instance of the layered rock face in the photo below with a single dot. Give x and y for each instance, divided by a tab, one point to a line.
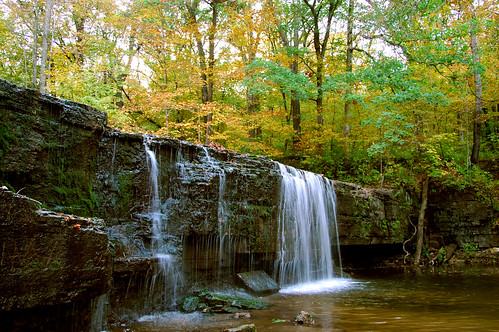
372	216
461	217
64	155
49	260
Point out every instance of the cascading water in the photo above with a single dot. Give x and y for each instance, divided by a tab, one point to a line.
307	220
168	272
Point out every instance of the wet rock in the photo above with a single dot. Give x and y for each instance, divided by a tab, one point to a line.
258	282
50	262
49	258
449	250
239	315
242	328
211	302
127	267
215	300
189	304
460	216
371	216
305	318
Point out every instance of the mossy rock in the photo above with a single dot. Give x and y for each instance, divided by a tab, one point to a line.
189	304
220	303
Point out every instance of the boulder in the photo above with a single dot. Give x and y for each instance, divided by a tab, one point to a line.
189	304
305	318
49	258
211	302
258	282
53	265
242	328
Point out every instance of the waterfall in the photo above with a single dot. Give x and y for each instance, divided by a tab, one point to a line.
307	221
161	245
98	321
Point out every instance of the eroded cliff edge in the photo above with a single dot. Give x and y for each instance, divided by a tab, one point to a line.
64	155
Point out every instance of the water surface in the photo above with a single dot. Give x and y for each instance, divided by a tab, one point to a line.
403	302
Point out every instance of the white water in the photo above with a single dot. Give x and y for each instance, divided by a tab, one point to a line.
168	272
320	286
307	221
98	321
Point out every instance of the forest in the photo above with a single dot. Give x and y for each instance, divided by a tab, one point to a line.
376	92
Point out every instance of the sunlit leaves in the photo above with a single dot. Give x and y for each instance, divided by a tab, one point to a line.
269	74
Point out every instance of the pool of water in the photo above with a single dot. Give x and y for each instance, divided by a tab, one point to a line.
401	302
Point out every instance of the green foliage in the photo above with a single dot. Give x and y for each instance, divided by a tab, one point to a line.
267	74
125	192
395	130
441	256
409	92
470	248
73	192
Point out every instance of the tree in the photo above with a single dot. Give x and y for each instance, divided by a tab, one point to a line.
206	59
46	33
477	77
292	35
421	219
321	11
349	66
247	26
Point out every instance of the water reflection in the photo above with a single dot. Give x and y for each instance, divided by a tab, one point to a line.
395	303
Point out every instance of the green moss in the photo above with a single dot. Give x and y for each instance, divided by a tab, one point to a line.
72	188
7	136
69	183
125	192
257	226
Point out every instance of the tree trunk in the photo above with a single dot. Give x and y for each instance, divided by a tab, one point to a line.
295	115
477	121
121	79
295	109
320	45
35	45
349	69
421	219
320	95
295	103
211	67
46	31
80	32
295	37
206	65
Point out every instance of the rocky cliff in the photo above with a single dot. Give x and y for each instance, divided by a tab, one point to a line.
49	262
64	155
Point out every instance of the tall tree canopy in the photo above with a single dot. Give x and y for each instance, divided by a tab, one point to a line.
378	92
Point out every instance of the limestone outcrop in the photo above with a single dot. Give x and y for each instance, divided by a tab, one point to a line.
49	259
63	155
